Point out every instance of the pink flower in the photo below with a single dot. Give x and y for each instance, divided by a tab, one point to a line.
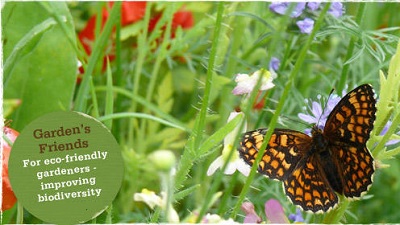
246	83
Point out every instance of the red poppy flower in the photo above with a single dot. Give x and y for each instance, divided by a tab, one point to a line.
131	12
181	18
86	36
9	198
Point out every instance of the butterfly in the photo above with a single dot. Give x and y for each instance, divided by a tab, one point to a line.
332	160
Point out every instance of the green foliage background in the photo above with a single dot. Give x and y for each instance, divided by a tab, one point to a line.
176	94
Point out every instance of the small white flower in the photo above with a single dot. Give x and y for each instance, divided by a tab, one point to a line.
235	163
214	218
152	200
148	197
246	83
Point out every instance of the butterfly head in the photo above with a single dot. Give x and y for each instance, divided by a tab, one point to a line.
316	129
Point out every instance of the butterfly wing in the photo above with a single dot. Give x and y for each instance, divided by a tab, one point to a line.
348	128
308	187
283	152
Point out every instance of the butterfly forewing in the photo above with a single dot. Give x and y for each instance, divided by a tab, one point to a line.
351	120
283	152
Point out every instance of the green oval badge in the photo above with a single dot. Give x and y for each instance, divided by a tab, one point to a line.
65	168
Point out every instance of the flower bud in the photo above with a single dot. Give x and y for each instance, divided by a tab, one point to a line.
163	160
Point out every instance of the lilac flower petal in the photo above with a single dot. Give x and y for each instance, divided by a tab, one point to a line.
297	217
281	7
313	5
251	216
274	212
392	142
308	131
274	64
307	118
316	110
306	25
385	130
299	9
336	9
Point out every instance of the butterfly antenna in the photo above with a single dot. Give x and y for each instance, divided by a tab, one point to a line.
325	105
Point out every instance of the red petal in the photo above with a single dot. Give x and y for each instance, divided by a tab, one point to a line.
183	19
86	36
9	198
132	12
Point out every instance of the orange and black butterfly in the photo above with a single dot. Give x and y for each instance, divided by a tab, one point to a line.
334	159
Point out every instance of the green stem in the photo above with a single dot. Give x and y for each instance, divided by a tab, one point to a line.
162	53
98	47
280	105
207	89
379	149
236	42
227	194
20	214
143	49
108	219
189	155
350	50
142	116
150	106
167	185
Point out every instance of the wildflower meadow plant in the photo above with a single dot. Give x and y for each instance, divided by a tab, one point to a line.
274	212
230	156
178	84
307	24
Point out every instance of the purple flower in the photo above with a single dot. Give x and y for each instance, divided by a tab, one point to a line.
251	215
305	25
313	5
297	217
281	7
336	9
319	116
274	64
383	132
274	212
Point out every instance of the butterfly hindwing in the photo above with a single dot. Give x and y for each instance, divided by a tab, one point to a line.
308	187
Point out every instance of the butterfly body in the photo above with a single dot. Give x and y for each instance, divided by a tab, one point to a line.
331	160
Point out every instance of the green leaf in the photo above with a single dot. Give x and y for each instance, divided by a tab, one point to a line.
165	93
218	136
216	87
9	106
44	66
